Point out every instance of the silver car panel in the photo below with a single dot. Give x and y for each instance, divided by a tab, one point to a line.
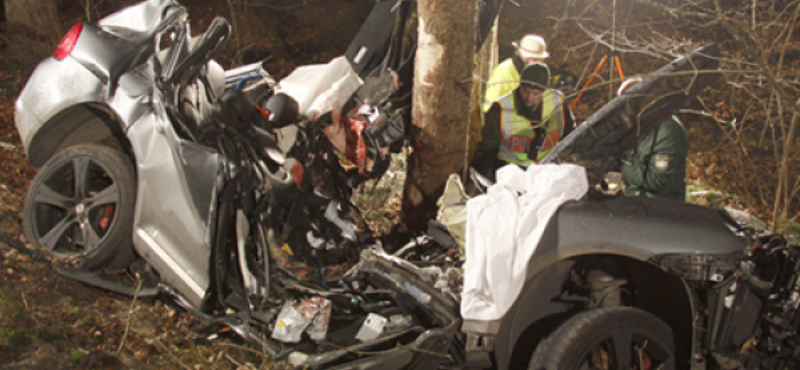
176	179
137	19
101	52
54	87
98	58
176	190
51	109
134	97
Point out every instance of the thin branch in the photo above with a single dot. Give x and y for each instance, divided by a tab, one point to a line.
130	314
676	13
783	178
598	38
787	41
560	21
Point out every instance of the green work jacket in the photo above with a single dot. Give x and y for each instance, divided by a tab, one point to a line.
657	168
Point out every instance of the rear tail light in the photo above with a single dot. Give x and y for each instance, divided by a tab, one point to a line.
68	42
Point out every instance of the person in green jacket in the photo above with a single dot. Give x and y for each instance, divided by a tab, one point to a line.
657	166
505	77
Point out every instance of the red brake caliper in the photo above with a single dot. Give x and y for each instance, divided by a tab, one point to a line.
648	363
105	220
645	361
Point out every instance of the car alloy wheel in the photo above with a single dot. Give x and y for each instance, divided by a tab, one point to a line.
80	207
608	338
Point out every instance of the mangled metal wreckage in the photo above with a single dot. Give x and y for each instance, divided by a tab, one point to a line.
239	196
232	191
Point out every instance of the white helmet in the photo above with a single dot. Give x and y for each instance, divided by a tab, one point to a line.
532	46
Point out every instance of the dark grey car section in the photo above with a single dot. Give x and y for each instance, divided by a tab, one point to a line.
640	227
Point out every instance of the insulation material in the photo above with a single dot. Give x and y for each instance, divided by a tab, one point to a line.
453	209
504	227
319	88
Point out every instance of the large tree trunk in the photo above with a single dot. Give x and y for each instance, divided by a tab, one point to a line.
40	16
485	61
441	109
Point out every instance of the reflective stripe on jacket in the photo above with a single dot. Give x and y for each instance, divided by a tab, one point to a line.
518	131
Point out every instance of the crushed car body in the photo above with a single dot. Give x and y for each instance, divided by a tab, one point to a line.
232	191
242	185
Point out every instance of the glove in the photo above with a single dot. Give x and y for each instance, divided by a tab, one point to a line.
538	140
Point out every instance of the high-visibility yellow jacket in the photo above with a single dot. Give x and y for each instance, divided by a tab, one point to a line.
519	133
505	78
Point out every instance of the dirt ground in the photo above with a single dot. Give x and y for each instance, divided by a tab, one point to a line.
47	321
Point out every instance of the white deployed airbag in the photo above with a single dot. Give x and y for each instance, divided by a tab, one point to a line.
319	88
504	227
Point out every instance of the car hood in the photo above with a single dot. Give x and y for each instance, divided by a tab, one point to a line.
618	125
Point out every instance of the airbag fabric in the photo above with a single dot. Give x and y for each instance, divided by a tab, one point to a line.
504	227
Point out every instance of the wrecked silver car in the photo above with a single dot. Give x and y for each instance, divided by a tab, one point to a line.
230	192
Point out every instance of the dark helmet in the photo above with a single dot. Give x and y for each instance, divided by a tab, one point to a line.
283	109
536	75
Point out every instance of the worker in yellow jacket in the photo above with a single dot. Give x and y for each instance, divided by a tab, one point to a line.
524	125
505	77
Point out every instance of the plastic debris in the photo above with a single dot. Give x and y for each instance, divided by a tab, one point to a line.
290	325
398	323
297	358
372	327
319	324
453	209
295	317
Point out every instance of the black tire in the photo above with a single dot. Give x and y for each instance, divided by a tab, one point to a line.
88	217
590	340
